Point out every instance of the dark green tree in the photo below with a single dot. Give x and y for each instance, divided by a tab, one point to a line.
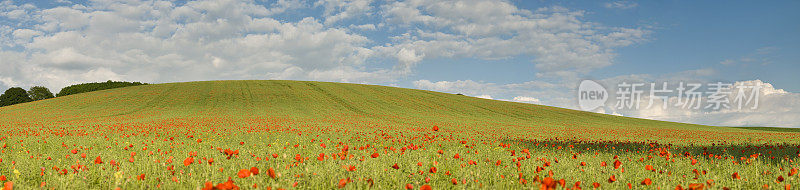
39	93
89	87
13	96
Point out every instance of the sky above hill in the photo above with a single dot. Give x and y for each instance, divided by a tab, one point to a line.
525	51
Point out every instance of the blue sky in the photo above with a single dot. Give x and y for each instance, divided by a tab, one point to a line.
685	35
525	51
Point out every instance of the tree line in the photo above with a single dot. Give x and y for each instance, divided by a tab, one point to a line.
17	95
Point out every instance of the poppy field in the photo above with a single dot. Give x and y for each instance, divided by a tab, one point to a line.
320	135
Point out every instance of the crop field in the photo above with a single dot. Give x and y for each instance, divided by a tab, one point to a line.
319	135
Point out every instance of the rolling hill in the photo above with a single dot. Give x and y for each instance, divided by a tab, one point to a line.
322	135
321	103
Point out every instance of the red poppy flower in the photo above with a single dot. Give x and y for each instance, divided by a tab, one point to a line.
548	183
395	166
254	170
208	186
271	173
343	182
647	181
227	185
243	173
375	155
188	161
425	187
98	160
696	186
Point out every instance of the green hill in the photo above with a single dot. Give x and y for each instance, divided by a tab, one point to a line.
322	135
326	103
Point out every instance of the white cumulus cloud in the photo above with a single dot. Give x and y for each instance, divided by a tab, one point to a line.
527	99
621	5
160	41
485	96
558	39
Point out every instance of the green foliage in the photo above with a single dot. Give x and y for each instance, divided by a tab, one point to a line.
95	86
13	96
40	93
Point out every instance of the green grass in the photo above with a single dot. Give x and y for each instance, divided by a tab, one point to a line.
271	117
777	129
